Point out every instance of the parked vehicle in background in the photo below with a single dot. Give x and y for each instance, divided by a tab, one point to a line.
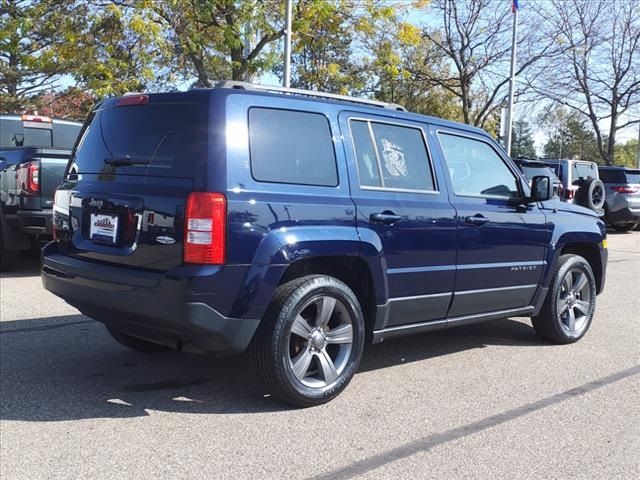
622	205
580	182
533	168
34	151
299	224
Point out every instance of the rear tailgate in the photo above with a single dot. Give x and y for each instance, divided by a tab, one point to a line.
124	197
52	167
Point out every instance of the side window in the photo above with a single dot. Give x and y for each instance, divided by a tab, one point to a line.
397	160
291	147
476	169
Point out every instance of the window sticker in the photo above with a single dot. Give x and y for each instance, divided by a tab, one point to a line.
394	160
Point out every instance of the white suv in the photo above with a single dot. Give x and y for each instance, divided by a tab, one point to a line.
580	181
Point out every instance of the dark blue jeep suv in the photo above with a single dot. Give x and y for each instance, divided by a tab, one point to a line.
299	225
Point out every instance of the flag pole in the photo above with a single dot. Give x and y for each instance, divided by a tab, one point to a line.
286	80
512	82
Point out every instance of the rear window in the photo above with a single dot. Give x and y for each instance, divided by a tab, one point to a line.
13	133
162	139
620	176
584	171
530	172
291	147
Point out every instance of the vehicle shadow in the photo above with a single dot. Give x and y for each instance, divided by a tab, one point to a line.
27	265
69	368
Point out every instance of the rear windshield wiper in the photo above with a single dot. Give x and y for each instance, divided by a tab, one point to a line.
126	161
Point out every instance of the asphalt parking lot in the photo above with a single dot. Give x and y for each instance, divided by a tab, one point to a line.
484	401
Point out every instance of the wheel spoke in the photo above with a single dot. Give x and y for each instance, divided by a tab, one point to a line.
572	320
568	282
582	306
300	364
329	371
580	283
325	310
301	328
563	307
341	334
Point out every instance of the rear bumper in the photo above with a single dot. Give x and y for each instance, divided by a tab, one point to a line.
36	222
158	307
623	215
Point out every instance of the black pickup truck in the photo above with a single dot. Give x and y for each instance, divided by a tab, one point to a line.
34	151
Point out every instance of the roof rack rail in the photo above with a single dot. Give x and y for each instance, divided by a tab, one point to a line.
308	93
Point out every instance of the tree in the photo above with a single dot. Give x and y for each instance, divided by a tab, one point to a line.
597	73
71	103
569	136
218	39
626	154
475	37
36	41
522	144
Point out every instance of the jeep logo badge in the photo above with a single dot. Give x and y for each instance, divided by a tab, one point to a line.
95	203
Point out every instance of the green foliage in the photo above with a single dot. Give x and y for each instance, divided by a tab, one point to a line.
570	137
522	144
626	154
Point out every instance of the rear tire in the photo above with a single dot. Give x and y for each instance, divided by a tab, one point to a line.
309	343
568	309
134	343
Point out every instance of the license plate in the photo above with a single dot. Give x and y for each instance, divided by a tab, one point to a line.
104	228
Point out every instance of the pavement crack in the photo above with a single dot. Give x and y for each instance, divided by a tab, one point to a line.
429	442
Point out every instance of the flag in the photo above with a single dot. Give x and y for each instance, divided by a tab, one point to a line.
514	6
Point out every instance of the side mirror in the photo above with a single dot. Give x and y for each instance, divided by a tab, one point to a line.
541	189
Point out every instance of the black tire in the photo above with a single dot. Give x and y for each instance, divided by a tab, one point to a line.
549	323
591	194
623	227
271	349
134	343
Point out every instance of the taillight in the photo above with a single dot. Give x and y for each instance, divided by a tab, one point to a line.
29	178
204	228
625	189
570	194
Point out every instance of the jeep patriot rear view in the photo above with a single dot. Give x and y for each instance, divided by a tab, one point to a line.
299	225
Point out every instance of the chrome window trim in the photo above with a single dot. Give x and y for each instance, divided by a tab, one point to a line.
369	121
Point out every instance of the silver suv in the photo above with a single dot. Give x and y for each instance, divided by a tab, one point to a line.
622	206
581	182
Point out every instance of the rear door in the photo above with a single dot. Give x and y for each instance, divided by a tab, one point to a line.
400	204
501	240
126	187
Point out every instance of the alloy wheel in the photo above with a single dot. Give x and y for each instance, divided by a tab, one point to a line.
320	342
574	302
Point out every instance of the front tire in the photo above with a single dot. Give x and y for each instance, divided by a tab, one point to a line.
570	304
310	341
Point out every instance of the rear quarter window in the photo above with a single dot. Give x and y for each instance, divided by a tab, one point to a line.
292	147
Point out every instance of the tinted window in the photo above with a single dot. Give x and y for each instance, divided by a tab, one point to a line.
584	171
476	169
612	176
13	134
291	147
165	140
632	177
64	135
398	160
9	130
531	172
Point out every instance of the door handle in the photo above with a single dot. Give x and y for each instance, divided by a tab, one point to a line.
478	219
385	218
